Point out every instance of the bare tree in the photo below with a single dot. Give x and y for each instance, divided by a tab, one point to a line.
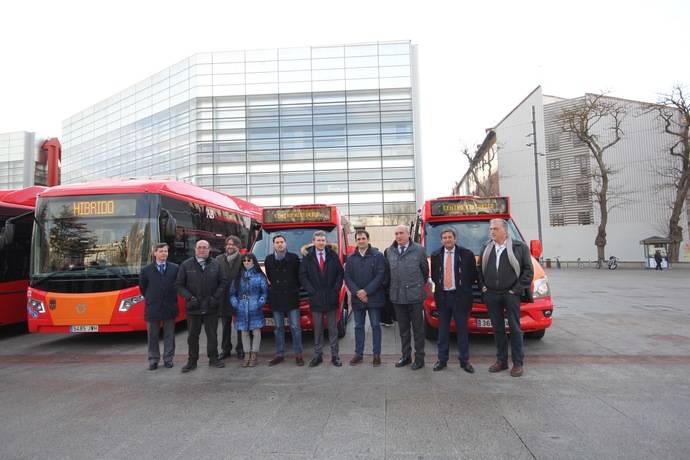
673	110
481	167
596	122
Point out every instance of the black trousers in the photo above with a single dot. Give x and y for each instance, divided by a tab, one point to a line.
502	306
153	330
226	336
387	312
210	323
411	321
456	305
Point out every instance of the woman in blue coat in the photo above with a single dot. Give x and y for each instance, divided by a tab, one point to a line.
248	293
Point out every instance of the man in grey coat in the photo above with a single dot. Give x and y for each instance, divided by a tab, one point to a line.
409	271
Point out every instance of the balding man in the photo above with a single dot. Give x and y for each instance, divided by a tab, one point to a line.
505	276
202	283
409	271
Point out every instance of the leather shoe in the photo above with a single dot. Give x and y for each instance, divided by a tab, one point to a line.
418	364
153	366
299	360
223	355
315	361
356	359
336	361
402	362
377	360
516	371
467	367
216	363
276	360
190	366
440	365
168	365
498	367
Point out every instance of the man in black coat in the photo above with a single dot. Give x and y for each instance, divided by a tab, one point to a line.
505	278
453	271
201	282
230	264
321	275
157	285
282	271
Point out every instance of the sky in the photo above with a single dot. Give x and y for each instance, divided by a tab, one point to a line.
477	61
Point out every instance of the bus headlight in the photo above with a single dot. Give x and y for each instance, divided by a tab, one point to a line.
541	288
129	302
34	307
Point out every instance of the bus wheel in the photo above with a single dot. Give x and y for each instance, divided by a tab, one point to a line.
430	332
342	324
536	335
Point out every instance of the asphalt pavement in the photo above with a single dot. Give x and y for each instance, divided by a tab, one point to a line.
610	379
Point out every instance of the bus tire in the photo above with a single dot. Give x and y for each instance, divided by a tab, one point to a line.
430	332
342	324
536	335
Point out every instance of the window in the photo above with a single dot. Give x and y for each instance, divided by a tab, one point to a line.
557	220
582	192
582	164
555	167
553	142
557	195
584	218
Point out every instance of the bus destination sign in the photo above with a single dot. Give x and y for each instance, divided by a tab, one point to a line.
297	215
122	207
469	207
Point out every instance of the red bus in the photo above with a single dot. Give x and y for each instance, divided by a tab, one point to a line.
298	224
16	223
469	216
91	240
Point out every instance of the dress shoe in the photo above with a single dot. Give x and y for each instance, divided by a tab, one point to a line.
467	367
336	361
299	360
190	366
516	371
240	354
222	355
440	365
277	359
315	361
168	365
153	366
216	363
402	362
356	359
377	360
418	364
498	367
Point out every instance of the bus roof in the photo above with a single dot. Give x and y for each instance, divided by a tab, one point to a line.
453	208
168	187
21	198
299	216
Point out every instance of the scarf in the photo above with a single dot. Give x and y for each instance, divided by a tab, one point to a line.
509	250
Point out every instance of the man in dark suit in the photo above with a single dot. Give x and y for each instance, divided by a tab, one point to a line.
321	275
453	271
157	284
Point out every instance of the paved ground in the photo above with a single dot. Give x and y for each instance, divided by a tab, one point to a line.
609	380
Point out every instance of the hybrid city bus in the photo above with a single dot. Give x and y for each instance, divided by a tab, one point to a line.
91	240
469	216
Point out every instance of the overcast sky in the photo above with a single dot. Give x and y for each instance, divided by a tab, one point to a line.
476	62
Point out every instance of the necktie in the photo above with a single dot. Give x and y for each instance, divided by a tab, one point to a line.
448	272
322	262
402	250
161	269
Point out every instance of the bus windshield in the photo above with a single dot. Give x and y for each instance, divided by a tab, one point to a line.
103	236
471	234
296	238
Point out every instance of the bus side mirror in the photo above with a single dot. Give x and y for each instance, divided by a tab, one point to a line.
170	224
535	248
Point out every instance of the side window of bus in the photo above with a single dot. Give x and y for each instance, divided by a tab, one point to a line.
14	258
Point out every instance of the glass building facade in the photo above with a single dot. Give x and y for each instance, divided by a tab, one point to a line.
18	154
277	127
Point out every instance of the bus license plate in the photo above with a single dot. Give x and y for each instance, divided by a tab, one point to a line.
84	328
486	323
270	322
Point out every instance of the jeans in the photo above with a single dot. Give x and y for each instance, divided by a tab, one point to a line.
153	329
295	330
375	322
252	340
456	305
500	306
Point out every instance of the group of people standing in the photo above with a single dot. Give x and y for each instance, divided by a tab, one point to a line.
233	286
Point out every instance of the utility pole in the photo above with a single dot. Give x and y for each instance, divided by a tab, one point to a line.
536	169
